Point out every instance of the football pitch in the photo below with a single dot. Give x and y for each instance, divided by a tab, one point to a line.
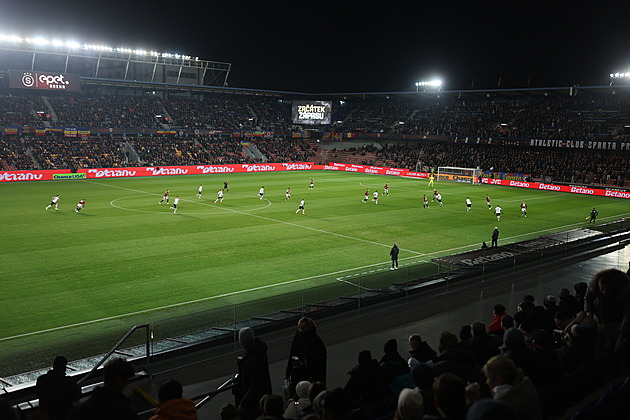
76	282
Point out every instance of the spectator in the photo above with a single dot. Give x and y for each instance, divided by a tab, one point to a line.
457	360
396	368
107	402
450	396
515	348
410	405
507	383
368	383
172	405
295	408
307	357
483	345
498	313
608	301
56	391
568	302
421	351
254	380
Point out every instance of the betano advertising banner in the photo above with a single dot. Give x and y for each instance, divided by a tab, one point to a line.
605	192
97	173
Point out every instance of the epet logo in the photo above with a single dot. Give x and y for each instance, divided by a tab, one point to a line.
53	82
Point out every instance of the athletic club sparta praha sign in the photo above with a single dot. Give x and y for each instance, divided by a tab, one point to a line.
24	79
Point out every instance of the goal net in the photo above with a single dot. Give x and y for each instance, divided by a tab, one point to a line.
451	173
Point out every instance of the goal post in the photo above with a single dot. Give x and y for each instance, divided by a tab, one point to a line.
452	173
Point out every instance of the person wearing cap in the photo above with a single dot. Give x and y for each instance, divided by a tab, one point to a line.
254	380
56	391
172	405
296	407
107	402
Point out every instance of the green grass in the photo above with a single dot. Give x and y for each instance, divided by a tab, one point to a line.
76	282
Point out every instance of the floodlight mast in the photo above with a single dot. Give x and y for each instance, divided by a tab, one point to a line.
169	67
615	76
435	84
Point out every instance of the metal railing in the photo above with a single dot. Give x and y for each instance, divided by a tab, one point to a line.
117	346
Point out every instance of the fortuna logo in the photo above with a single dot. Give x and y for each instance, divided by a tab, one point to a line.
519	184
168	171
215	169
549	187
298	166
258	168
581	190
24	176
107	173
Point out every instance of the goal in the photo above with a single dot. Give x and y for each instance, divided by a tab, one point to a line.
451	173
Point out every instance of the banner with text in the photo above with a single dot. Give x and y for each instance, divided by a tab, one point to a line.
605	192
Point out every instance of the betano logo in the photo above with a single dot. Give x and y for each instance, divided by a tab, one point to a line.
258	168
22	176
215	169
109	173
167	171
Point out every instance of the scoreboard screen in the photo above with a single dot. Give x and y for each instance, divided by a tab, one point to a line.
311	112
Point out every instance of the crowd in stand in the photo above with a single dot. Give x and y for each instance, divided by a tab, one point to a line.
529	363
603	167
74	153
284	150
13	154
582	117
107	111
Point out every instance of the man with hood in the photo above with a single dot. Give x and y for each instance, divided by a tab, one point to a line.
254	380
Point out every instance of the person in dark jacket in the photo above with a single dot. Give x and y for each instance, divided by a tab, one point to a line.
368	383
308	355
607	300
421	351
108	402
394	254
396	368
56	391
254	380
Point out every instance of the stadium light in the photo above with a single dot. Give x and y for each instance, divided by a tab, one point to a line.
74	45
429	84
619	75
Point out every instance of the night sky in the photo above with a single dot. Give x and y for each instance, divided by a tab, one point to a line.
323	46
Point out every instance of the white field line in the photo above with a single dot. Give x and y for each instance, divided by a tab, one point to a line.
271	220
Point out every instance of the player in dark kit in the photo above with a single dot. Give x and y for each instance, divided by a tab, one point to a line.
165	197
593	216
225	186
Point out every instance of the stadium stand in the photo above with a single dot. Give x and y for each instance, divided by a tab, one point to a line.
580	372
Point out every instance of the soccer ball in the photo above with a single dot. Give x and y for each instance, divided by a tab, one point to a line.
587	218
